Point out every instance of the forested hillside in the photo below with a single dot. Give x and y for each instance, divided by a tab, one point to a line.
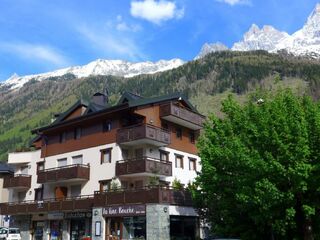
205	81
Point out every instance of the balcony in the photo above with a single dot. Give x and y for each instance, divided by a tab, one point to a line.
143	134
82	203
156	194
181	116
19	182
143	166
69	173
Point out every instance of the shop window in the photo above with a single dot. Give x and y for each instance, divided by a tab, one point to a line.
179	133
183	226
77	133
192	164
191	136
63	137
179	161
135	228
40	166
107	126
77	159
164	156
62	162
106	155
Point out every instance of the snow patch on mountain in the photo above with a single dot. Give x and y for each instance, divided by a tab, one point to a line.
99	67
265	38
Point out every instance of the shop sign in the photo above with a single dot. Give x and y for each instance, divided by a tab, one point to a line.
78	215
55	216
127	210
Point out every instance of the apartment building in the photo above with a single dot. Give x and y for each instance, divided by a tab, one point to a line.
109	172
5	173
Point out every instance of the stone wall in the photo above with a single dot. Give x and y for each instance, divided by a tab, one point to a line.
158	221
97	217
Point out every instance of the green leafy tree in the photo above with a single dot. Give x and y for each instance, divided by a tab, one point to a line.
260	168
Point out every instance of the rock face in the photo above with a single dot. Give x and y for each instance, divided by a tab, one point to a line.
304	42
211	47
98	67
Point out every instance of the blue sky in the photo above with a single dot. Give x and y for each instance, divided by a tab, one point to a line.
42	35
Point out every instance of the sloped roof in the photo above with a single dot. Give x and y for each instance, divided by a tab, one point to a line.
127	100
5	169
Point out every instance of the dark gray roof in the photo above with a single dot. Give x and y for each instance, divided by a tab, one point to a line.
5	169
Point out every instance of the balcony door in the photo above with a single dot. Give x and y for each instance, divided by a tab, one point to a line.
61	193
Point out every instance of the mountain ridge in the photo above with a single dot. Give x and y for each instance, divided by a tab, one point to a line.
98	67
303	42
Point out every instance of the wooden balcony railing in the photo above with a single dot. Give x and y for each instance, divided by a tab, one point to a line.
17	181
181	116
143	133
154	194
69	172
144	165
81	203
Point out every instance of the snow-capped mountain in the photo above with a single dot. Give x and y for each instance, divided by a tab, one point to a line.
98	67
265	38
211	47
304	42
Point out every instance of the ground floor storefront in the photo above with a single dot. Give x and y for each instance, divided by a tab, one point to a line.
139	221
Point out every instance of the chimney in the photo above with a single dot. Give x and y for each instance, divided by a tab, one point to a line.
99	99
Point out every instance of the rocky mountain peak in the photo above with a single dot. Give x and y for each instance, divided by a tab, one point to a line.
211	47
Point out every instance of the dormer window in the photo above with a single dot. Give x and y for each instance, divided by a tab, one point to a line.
107	126
63	137
77	133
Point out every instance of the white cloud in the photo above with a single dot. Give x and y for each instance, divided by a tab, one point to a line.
155	11
111	43
121	25
235	2
35	52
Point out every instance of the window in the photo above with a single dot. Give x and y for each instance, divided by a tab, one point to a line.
107	126
179	133
38	194
63	137
62	162
192	164
125	154
40	166
164	156
75	190
165	126
179	161
77	159
138	153
191	137
106	155
24	170
77	133
105	185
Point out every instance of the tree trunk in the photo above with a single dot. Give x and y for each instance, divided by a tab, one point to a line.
307	230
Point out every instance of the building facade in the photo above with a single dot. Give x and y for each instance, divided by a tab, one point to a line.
109	172
5	172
